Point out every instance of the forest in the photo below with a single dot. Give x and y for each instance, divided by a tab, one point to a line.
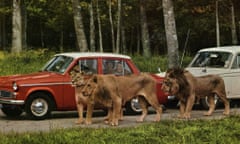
121	26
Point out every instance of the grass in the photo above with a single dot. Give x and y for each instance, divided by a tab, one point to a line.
165	132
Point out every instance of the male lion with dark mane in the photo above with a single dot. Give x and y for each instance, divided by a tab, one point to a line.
186	88
115	91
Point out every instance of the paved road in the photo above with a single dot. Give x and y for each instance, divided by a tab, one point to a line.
67	119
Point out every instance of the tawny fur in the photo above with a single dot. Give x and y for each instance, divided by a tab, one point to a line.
115	91
187	88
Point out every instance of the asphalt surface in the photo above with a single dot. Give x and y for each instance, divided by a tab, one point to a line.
61	120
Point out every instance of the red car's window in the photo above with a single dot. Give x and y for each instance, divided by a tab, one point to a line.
88	66
117	67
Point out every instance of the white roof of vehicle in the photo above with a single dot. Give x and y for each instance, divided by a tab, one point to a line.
232	49
93	54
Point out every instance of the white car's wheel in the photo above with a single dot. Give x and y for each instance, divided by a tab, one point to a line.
205	104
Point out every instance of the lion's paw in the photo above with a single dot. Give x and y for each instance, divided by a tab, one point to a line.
88	122
207	114
114	124
79	121
139	120
226	113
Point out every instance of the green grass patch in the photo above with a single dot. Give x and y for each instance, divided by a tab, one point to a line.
164	132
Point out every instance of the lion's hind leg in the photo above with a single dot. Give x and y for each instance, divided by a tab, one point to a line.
143	104
225	101
212	105
152	100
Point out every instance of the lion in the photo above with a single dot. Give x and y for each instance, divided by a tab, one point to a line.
117	90
79	80
187	88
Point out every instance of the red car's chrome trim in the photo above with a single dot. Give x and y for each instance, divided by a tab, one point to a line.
15	102
45	84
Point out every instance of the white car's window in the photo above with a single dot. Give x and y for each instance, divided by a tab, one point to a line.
236	63
212	59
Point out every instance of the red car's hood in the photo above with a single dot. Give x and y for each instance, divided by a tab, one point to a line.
29	78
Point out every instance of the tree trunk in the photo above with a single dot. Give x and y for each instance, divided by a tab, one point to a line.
92	29
217	26
111	25
118	26
16	27
2	29
61	40
171	34
124	47
144	30
99	29
24	24
234	31
79	28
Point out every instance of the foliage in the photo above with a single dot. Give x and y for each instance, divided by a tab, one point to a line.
153	63
25	62
33	60
165	132
50	21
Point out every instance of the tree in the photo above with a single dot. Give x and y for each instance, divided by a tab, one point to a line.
118	26
234	31
16	27
79	28
2	26
144	30
111	24
92	28
99	28
171	34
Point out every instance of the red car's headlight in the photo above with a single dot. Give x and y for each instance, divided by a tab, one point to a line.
15	86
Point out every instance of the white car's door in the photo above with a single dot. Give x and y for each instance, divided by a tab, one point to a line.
232	83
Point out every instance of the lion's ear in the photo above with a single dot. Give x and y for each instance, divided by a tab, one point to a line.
95	78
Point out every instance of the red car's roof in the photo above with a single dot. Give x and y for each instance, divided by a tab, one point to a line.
76	55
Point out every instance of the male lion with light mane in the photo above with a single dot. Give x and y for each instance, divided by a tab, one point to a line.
186	88
119	90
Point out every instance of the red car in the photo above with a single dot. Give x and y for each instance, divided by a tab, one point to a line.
50	89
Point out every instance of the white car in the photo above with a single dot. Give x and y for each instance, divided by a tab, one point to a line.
223	61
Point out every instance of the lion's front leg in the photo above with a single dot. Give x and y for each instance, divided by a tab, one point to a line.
182	109
79	105
80	113
189	105
117	108
90	107
108	118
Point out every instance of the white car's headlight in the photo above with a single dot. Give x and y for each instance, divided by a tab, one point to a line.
15	86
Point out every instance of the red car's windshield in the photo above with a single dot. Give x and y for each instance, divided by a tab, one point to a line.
58	64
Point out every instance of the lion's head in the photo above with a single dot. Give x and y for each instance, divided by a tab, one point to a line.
77	76
174	81
91	86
